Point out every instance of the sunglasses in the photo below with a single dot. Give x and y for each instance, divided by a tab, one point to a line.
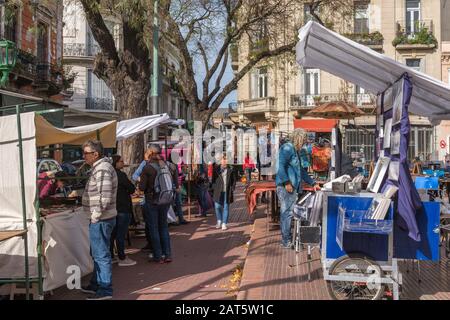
85	153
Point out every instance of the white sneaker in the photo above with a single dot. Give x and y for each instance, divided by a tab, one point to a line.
224	226
126	262
219	223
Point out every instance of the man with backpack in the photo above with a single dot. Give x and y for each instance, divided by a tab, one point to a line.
156	181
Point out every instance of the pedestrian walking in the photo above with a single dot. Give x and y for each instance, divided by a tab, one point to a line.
178	207
249	167
99	202
124	207
224	182
156	182
290	175
136	178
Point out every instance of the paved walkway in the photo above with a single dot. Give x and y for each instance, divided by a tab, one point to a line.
204	260
271	272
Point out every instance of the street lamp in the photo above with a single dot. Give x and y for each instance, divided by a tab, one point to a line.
8	55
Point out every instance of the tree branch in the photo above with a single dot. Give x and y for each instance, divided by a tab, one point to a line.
99	30
219	78
232	85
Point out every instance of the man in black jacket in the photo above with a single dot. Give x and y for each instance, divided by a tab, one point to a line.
124	211
224	182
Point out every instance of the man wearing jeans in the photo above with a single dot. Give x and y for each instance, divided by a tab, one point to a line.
290	176
99	202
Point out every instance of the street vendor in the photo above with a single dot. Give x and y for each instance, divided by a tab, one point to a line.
50	184
290	175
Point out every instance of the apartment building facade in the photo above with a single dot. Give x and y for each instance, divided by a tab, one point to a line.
91	100
36	29
409	31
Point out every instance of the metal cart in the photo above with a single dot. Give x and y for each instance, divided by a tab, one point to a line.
365	266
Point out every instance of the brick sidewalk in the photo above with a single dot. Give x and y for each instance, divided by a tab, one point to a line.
273	273
204	259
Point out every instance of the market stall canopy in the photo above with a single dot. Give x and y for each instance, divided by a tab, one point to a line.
46	134
315	125
336	110
131	127
331	52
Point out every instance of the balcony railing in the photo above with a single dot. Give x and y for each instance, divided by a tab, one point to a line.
257	105
100	104
80	50
46	72
367	39
418	32
308	101
25	65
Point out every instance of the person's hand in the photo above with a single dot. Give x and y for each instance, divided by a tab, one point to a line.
316	187
147	156
289	188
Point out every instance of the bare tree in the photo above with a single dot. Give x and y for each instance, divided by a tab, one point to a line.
201	31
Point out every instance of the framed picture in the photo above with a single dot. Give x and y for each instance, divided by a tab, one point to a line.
378	174
397	95
394	170
388	100
395	142
387	134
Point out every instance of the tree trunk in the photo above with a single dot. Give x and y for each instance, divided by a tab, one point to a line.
198	114
132	103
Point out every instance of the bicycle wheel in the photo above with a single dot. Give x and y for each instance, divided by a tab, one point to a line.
368	288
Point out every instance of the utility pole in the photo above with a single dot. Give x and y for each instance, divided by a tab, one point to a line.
155	75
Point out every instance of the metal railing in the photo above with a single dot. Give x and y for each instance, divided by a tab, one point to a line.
80	50
25	64
256	105
308	101
93	103
414	26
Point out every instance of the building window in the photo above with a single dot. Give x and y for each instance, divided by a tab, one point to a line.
421	143
11	15
99	95
412	16
42	43
357	140
414	64
259	83
361	18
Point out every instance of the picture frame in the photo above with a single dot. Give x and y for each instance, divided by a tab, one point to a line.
387	134
397	95
388	100
394	170
378	174
395	142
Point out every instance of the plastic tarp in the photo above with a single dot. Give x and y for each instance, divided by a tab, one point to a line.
47	134
65	237
12	257
331	52
131	127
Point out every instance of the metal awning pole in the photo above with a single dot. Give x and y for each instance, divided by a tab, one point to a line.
24	208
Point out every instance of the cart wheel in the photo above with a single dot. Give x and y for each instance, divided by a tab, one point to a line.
357	265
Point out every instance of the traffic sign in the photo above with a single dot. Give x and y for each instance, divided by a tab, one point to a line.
443	144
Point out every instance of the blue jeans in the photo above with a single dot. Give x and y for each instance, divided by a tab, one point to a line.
248	174
222	210
159	229
202	190
178	207
287	202
100	237
119	233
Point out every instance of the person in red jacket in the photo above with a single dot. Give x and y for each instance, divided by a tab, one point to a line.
248	167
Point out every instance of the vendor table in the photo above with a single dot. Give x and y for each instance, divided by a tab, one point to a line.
252	192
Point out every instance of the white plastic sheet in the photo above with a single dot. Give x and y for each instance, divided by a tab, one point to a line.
12	257
65	237
331	52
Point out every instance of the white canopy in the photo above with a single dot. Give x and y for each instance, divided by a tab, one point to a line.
331	52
